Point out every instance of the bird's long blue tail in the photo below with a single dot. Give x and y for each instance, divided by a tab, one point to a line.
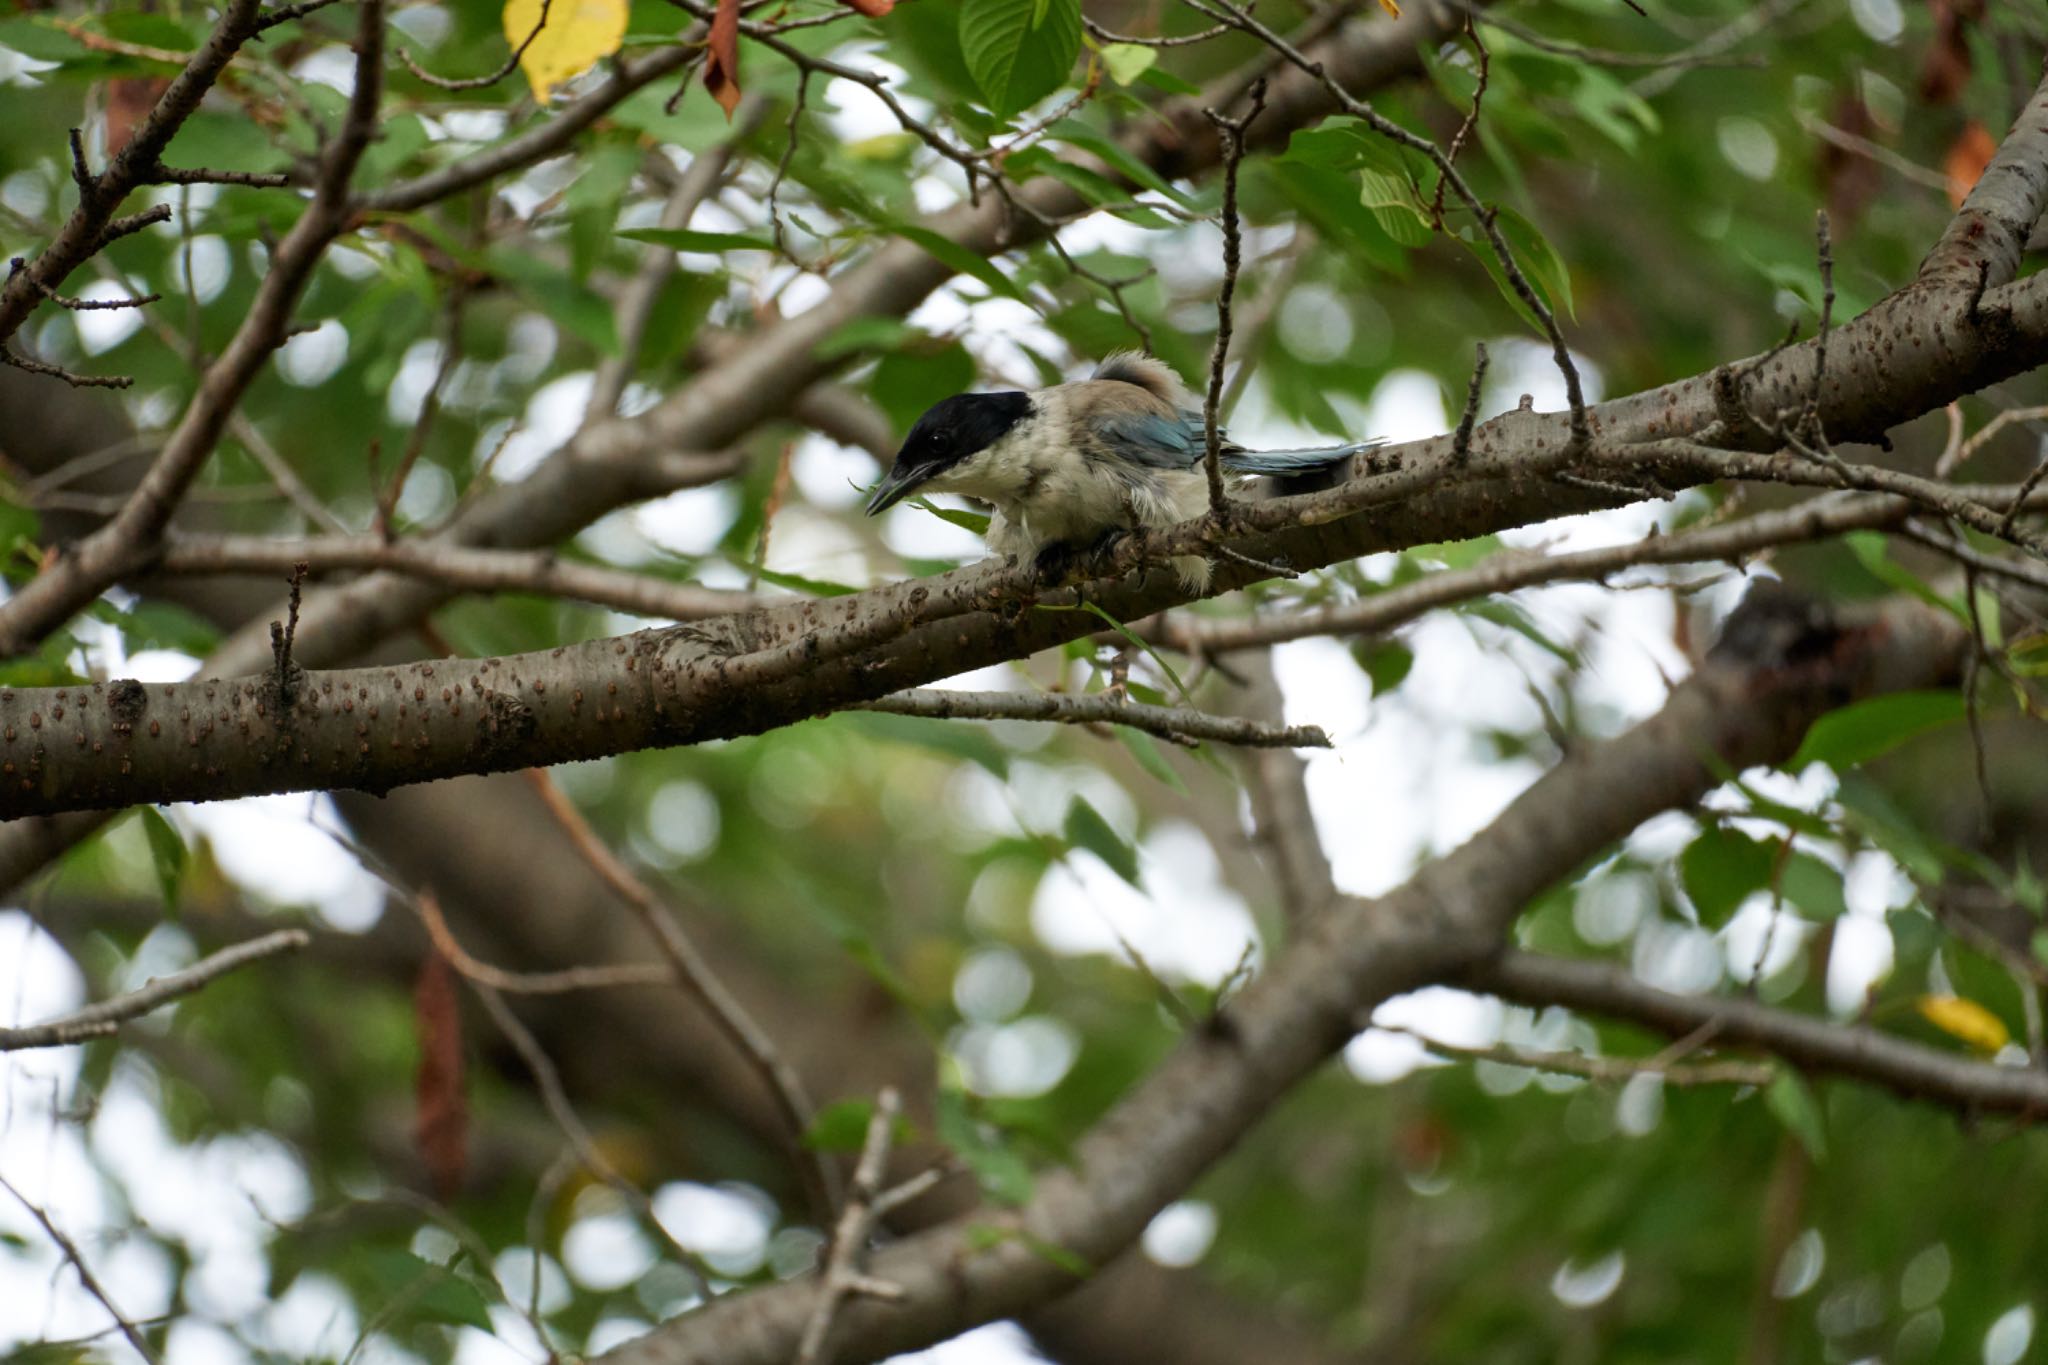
1290	461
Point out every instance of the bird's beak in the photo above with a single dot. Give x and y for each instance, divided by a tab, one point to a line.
899	484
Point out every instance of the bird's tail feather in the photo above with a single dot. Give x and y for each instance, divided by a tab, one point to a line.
1290	461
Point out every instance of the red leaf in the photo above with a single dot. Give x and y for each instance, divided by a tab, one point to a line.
441	1131
1967	157
873	9
722	57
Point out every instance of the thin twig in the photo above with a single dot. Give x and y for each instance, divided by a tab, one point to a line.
849	1236
478	82
1461	443
1167	722
548	1080
1471	121
560	982
97	1021
1228	12
694	976
85	1275
1231	131
1594	1068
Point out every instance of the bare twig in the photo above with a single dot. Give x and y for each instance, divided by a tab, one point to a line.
1461	443
74	379
538	572
1232	131
555	1097
1471	121
97	1021
1226	11
559	982
1169	723
689	970
842	1274
1598	1068
479	82
85	1275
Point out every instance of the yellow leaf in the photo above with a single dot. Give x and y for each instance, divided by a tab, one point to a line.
1393	9
576	35
1965	1019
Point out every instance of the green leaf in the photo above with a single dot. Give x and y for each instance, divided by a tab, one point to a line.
1394	206
912	377
955	740
865	334
167	852
689	239
1146	751
1085	828
963	261
843	1127
39	39
1870	729
1720	869
1813	888
1004	1174
1077	134
1537	257
1385	661
431	1293
814	587
1018	52
1792	1101
1873	551
972	521
1128	61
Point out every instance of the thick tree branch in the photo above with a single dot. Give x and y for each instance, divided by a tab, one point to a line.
1907	1068
1984	240
1776	670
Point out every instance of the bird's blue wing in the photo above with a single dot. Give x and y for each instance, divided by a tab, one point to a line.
1150	439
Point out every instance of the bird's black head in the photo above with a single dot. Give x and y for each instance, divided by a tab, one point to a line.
948	433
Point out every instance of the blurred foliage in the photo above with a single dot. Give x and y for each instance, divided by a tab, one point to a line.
916	885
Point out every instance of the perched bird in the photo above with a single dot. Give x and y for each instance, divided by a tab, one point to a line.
1067	468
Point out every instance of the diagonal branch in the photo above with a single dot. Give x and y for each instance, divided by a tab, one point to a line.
97	1021
1749	704
128	539
1984	240
1906	1068
136	164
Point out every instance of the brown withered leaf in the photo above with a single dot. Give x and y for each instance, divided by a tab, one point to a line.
1850	179
722	57
129	101
1946	68
1966	159
441	1128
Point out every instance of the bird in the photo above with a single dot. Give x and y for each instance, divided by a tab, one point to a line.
1069	469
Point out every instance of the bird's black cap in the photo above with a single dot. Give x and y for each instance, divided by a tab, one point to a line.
949	432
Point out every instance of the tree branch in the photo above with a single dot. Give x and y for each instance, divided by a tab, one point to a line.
97	1021
1100	708
1906	1068
1775	671
92	224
